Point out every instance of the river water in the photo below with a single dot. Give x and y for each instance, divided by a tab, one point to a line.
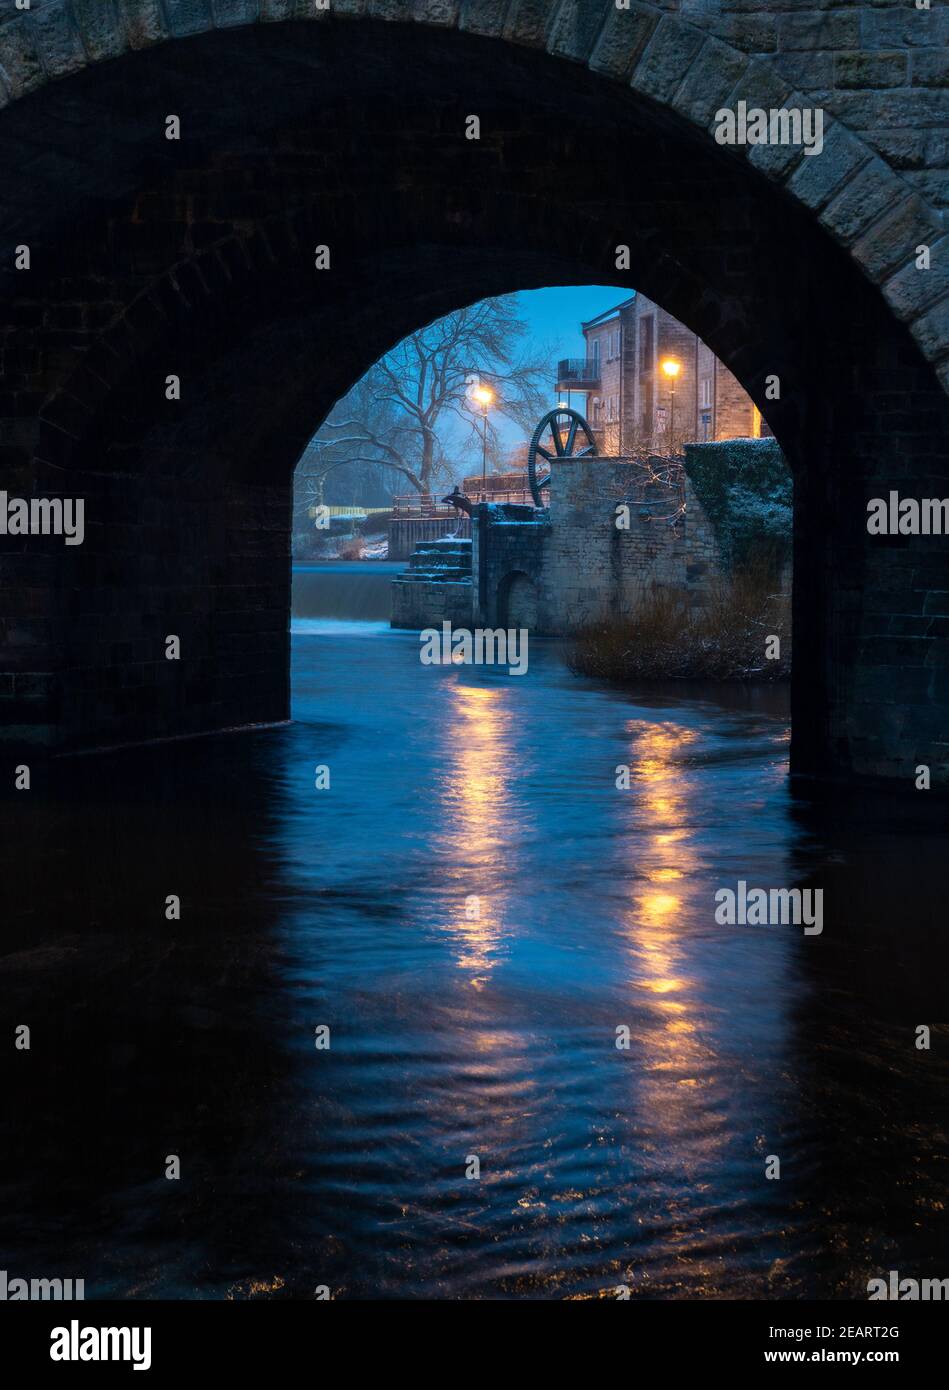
473	909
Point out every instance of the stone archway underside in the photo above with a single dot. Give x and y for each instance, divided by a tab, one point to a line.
197	258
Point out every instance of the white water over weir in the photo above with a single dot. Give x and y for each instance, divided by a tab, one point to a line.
357	590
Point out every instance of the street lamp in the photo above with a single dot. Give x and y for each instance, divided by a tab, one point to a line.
672	368
484	396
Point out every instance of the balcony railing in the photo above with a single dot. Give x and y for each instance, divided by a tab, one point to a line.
578	373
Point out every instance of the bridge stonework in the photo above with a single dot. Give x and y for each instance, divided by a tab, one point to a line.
345	128
580	566
879	70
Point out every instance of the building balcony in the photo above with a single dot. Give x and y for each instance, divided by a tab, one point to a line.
578	374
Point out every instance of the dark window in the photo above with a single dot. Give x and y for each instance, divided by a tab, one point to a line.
647	343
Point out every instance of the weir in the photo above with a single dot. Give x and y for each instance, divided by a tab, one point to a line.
359	590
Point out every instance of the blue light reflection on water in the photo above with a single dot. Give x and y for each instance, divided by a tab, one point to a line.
474	909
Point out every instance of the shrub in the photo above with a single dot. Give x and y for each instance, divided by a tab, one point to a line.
746	491
667	638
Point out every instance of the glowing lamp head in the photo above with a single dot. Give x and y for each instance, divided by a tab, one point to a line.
671	367
483	395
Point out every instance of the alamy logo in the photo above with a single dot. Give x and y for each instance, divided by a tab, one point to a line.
907	1290
40	1290
771	907
43	516
486	646
75	1343
908	516
778	126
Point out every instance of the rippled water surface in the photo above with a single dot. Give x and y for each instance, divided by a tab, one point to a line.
473	909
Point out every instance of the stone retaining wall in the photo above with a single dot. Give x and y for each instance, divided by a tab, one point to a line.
582	565
429	603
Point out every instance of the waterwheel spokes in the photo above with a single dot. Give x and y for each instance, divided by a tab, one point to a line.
554	422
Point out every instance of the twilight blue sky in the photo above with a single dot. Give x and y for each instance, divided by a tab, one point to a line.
554	316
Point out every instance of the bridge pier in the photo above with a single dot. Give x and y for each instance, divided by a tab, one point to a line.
195	258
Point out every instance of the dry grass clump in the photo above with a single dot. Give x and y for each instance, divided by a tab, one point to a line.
666	638
352	549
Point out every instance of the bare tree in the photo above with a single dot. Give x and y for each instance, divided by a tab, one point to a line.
406	411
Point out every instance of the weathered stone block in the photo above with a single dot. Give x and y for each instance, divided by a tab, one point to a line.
870	69
762	85
753	32
710	81
808	71
103	35
575	27
818	177
57	40
274	11
903	26
143	22
621	44
189	16
230	14
912	290
816	29
666	58
931	330
932	185
778	160
930	68
483	16
915	108
862	200
19	58
527	21
886	246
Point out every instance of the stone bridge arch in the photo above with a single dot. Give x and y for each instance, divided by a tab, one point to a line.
879	70
151	258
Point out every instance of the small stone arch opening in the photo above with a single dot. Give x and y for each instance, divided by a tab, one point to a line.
518	601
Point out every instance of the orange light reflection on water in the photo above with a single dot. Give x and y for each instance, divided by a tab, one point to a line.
475	835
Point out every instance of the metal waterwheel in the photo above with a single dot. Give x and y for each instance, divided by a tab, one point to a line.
563	427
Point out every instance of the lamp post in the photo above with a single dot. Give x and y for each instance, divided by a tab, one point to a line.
484	396
672	368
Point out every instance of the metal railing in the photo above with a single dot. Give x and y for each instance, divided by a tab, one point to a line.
585	370
425	505
420	504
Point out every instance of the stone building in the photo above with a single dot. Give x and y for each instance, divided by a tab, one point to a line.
555	569
570	565
629	400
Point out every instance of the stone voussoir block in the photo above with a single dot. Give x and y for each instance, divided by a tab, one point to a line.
189	17
101	29
482	16
931	330
885	247
710	81
819	177
623	38
912	290
667	58
863	198
575	27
